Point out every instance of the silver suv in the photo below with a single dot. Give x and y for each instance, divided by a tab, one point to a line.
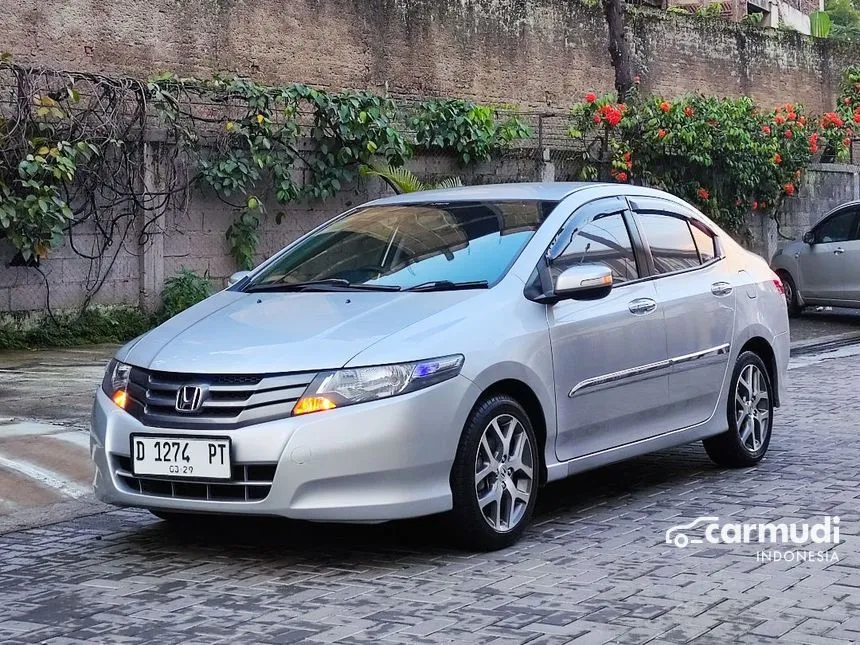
449	351
824	268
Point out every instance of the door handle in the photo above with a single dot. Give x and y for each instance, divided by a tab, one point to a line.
721	289
838	250
642	306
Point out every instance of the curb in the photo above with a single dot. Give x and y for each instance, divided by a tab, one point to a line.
833	341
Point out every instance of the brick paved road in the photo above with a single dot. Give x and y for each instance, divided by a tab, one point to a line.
593	568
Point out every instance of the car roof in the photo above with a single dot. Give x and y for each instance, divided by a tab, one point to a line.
546	191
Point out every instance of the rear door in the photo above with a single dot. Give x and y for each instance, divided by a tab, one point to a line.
697	293
825	265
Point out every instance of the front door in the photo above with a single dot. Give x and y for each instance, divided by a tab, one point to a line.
609	355
824	264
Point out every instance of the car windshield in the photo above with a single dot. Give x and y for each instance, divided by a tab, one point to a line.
431	246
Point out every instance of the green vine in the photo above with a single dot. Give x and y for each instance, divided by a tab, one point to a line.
472	131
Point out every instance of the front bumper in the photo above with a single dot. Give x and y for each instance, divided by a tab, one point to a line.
369	462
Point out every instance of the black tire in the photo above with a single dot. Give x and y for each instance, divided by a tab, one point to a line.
737	447
471	527
791	298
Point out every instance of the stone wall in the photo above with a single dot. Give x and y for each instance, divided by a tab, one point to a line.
536	53
192	236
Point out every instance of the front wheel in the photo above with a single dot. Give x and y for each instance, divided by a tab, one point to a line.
494	480
750	416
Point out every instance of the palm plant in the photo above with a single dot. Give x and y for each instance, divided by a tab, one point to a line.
402	180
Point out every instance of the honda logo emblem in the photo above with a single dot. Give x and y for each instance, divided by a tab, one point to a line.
189	398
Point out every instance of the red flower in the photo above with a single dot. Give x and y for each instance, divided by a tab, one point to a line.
846	101
665	106
777	159
779	119
789	189
857	117
596	119
689	111
792	116
611	114
788	134
621	176
755	206
661	133
591	97
846	141
766	129
802	120
703	194
831	118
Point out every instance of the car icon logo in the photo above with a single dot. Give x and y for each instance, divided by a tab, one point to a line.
676	535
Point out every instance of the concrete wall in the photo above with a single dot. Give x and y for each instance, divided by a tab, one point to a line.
531	52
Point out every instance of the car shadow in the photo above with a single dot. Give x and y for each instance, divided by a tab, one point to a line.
265	539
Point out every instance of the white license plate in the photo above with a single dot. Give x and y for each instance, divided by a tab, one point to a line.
180	457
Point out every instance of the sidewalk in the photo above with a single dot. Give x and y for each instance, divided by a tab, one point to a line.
828	328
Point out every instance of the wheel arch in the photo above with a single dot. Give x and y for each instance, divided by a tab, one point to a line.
791	276
759	346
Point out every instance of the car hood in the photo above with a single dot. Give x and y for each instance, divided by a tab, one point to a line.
255	333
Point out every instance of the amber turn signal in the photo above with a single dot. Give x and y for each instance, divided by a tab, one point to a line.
120	398
313	404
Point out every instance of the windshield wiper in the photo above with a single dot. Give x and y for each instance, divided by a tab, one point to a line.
328	284
447	285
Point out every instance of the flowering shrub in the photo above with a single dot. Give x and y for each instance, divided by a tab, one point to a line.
724	155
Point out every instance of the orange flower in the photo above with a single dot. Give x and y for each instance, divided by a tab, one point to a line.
846	141
792	116
665	106
766	129
688	111
788	134
777	159
789	189
591	97
661	133
779	119
802	120
621	176
857	117
596	119
703	194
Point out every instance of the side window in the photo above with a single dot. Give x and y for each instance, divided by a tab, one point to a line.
839	228
705	242
671	242
605	239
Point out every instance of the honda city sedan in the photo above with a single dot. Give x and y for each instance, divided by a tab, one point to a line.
449	351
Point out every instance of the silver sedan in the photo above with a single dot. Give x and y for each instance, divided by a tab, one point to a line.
823	268
449	352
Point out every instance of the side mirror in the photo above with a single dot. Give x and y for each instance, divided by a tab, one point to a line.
583	282
237	277
808	237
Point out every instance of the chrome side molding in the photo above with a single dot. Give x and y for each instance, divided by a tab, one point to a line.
650	367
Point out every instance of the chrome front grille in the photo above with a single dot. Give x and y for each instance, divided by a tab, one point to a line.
247	483
230	400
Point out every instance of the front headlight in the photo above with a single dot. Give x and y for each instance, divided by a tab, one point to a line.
338	388
115	382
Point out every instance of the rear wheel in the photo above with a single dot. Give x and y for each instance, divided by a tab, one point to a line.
495	475
791	299
750	416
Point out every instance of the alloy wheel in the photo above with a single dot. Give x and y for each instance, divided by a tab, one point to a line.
504	472
752	408
789	294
